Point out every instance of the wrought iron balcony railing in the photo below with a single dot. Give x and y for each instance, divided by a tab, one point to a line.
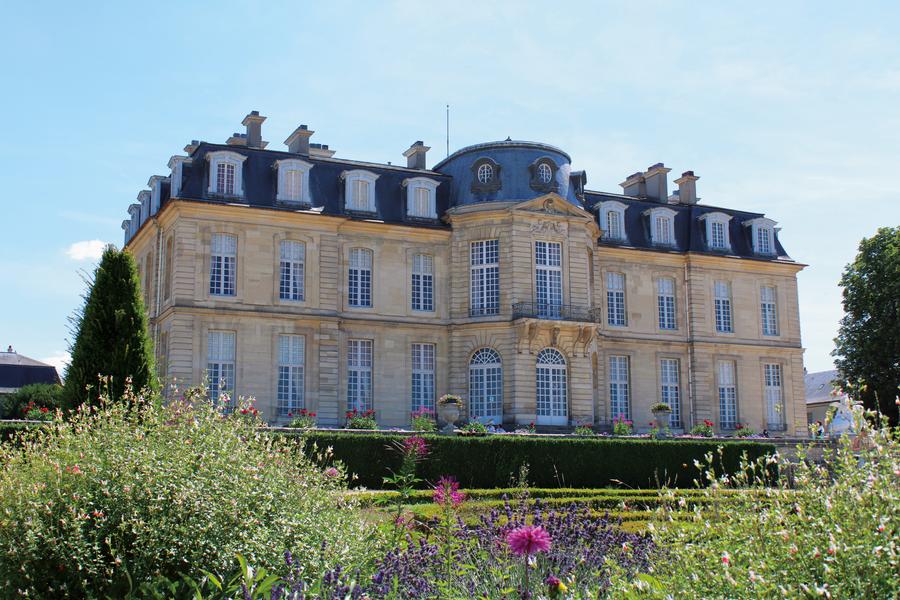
556	312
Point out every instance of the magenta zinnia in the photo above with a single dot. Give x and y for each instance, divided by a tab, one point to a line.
528	540
415	446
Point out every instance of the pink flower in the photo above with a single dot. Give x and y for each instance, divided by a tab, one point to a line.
726	560
447	492
415	445
528	540
332	472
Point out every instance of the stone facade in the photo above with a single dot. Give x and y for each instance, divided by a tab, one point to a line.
173	249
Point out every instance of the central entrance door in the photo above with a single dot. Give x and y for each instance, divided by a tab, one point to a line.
552	388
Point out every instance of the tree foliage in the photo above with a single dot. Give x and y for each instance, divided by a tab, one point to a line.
867	349
111	339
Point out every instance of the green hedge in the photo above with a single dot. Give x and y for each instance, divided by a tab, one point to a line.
494	461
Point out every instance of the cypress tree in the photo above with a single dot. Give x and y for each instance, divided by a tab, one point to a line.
111	334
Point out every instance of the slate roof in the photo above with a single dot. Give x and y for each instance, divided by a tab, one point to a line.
690	231
454	178
17	371
818	386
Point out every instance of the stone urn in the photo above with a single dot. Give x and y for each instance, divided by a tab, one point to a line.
448	409
661	413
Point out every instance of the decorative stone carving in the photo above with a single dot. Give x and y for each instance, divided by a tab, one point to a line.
551	227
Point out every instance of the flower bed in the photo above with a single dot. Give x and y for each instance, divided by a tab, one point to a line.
578	462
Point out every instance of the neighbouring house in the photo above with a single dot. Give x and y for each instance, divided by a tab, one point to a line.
308	280
818	394
17	371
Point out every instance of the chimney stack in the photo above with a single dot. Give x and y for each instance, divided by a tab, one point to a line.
192	146
320	150
298	142
415	156
253	122
657	184
687	188
634	185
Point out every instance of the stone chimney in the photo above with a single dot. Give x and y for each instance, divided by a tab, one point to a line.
415	156
687	188
237	139
634	185
298	142
656	182
320	150
192	146
253	122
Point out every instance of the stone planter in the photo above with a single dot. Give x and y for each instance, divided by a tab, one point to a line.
661	419
449	414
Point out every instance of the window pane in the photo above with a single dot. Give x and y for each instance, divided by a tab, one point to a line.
666	302
670	392
615	299
727	395
291	351
359	289
620	405
222	265
485	278
291	286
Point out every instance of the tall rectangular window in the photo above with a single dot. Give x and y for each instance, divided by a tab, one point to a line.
359	288
422	376
763	240
663	230
225	179
665	298
722	291
220	366
168	265
548	278
423	282
768	310
293	185
717	237
291	354
359	375
619	397
669	390
774	396
360	200
615	299
293	261
727	395
222	264
485	278
613	225
422	203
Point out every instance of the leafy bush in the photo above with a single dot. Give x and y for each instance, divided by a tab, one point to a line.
623	426
423	420
361	420
552	461
744	431
474	427
133	490
584	430
704	429
39	395
304	419
830	530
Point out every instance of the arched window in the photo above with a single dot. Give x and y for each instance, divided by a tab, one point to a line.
486	386
551	385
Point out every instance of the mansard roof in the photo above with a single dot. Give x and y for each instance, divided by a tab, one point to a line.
689	228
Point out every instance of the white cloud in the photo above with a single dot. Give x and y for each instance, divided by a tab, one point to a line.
60	360
88	249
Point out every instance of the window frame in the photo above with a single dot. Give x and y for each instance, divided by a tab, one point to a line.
223	358
670	388
548	277
219	275
225	157
711	220
485	376
286	166
618	209
422	283
360	292
727	394
768	311
415	185
773	370
616	300
351	178
667	304
422	375
291	279
291	372
767	228
723	306
360	374
484	299
623	386
661	215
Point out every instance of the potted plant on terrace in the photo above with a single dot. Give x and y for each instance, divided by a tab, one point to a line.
449	408
661	412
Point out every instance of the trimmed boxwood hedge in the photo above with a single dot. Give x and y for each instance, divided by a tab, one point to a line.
494	461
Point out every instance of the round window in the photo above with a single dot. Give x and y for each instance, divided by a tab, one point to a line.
485	173
544	173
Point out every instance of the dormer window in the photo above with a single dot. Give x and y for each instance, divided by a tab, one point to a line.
543	174
662	231
359	190
485	175
293	181
717	234
612	221
762	235
420	197
225	174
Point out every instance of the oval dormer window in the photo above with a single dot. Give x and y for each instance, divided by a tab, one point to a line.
544	173
485	173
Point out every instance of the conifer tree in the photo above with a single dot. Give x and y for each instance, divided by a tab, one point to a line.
111	337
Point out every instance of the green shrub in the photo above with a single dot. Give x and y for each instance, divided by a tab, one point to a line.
495	460
131	490
40	395
829	530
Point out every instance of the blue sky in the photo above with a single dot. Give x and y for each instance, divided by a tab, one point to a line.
792	109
